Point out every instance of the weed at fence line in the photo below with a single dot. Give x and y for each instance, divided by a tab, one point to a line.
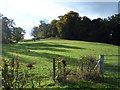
86	65
85	71
61	71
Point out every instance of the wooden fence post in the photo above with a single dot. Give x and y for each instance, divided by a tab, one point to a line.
53	68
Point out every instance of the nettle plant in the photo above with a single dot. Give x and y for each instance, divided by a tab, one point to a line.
61	72
15	76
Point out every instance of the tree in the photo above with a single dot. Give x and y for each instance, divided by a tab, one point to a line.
41	31
71	18
18	34
10	33
60	26
44	29
113	26
67	25
83	28
7	26
73	26
53	28
34	32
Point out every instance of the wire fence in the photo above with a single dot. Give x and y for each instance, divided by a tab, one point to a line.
112	65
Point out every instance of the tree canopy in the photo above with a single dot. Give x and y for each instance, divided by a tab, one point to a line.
10	33
72	26
18	34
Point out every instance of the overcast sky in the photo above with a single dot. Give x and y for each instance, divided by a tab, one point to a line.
27	13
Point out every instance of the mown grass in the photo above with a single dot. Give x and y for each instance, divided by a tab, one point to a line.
42	52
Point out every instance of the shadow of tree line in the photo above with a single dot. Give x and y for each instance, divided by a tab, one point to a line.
28	50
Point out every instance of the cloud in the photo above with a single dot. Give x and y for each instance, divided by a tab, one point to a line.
41	8
93	9
31	10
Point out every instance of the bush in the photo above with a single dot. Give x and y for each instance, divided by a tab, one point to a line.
85	71
86	66
15	76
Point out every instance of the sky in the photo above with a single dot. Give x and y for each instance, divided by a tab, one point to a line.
28	13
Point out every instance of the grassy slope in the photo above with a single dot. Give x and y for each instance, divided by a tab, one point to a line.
43	51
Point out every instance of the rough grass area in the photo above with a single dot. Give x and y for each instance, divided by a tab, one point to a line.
41	52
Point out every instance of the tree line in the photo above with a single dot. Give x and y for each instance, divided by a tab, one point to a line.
10	33
74	27
69	26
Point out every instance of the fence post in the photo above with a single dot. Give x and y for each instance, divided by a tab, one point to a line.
102	65
53	68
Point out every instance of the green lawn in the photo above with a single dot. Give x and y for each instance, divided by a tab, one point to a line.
43	51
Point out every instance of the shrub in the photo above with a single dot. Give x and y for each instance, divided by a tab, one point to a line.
86	65
14	76
85	71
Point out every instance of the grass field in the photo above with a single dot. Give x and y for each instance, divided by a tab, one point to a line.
43	51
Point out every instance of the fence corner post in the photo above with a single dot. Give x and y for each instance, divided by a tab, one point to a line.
102	65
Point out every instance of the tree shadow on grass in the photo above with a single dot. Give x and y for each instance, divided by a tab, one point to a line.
30	49
112	77
48	56
41	45
112	68
112	82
